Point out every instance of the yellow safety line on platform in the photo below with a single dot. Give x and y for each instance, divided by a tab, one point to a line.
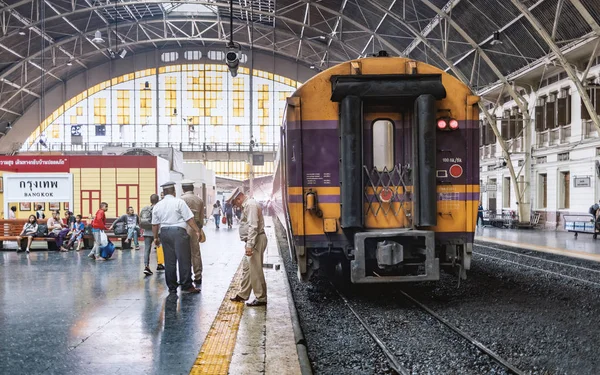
542	248
215	355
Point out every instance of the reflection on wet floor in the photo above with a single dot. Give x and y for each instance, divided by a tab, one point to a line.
64	313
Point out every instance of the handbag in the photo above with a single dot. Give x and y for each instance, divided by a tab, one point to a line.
103	239
202	236
224	220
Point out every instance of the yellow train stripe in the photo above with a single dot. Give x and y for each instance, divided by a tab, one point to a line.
215	355
325	190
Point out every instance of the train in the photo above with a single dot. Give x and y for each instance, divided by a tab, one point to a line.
377	173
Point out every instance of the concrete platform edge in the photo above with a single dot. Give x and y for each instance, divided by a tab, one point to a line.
305	366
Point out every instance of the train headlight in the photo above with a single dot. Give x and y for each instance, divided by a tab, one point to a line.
442	124
453	124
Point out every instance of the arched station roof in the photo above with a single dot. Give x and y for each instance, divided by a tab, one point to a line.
45	42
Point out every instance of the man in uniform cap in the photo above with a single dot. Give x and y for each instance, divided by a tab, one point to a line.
195	204
172	216
252	232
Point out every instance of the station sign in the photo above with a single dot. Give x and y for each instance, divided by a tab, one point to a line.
35	187
491	187
582	182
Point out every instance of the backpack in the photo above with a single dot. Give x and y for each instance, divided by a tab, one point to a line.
146	218
593	209
120	229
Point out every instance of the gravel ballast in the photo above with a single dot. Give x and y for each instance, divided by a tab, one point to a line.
541	323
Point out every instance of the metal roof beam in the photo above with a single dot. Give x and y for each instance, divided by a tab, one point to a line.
431	26
561	58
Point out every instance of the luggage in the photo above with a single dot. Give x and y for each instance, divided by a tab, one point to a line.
120	229
160	255
42	230
108	250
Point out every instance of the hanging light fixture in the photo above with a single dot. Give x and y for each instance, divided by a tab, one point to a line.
146	85
70	62
98	37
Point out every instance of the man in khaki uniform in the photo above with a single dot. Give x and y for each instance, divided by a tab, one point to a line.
252	232
195	204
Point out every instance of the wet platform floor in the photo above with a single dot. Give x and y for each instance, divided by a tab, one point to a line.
584	246
63	313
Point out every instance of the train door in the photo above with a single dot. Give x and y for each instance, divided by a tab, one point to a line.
387	155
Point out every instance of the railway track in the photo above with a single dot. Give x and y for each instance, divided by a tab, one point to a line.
553	263
396	364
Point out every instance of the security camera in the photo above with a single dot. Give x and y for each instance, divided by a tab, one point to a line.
232	59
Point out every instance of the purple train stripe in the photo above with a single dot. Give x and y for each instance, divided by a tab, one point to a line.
313	124
298	198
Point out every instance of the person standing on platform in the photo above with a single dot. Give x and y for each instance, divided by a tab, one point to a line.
216	212
195	204
252	232
170	216
12	213
98	227
229	214
479	214
146	225
39	213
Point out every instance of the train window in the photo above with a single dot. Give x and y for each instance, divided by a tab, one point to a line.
383	145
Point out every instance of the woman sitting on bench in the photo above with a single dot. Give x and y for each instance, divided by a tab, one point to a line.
29	230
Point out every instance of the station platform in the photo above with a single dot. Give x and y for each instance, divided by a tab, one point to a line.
63	313
548	241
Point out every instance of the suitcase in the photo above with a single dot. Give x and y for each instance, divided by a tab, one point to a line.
160	255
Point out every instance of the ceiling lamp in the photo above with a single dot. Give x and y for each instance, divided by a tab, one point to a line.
146	85
496	38
123	53
98	37
22	33
69	63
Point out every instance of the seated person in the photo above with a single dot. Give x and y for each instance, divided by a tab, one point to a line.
57	229
29	230
76	230
133	226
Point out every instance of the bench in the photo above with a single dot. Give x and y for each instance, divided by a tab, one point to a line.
10	230
583	223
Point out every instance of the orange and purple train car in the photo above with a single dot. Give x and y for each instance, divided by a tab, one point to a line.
378	171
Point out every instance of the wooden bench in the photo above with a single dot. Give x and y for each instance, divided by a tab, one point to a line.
11	229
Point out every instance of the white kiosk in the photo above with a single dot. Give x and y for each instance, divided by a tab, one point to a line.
37	187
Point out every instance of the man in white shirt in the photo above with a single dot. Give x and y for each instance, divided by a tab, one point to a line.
172	216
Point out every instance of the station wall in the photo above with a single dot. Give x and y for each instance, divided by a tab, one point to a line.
121	181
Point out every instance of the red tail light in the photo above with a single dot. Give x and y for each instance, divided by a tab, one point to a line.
453	124
441	124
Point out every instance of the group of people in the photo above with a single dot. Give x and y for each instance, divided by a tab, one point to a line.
228	210
68	232
175	224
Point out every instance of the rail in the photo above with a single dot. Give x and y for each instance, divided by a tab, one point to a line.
395	363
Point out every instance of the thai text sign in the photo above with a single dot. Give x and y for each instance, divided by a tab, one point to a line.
23	187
